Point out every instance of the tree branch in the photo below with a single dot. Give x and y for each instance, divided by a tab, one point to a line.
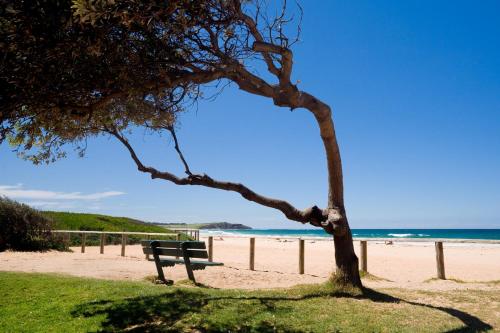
252	27
286	58
177	148
312	215
197	77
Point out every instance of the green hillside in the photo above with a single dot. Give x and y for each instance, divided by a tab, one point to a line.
96	222
209	225
81	221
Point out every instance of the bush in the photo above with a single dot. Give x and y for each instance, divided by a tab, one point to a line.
23	228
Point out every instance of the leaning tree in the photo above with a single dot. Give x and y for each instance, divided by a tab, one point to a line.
72	70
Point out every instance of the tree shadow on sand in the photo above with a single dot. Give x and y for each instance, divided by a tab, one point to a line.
160	313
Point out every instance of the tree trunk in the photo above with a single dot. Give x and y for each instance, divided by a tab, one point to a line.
333	219
347	271
346	261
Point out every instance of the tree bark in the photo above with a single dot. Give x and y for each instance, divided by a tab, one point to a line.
346	261
334	220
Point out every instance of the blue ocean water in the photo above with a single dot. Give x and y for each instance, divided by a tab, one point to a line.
491	234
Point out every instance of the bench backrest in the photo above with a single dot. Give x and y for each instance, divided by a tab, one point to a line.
194	249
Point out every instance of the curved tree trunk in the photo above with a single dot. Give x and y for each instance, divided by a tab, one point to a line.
347	269
286	94
333	219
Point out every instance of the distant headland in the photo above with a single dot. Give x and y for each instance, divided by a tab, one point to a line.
211	225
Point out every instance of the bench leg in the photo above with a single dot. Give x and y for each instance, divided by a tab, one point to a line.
156	257
187	262
190	272
161	276
160	272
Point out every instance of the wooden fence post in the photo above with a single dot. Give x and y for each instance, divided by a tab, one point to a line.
210	248
124	243
83	242
103	240
440	260
67	239
178	238
252	254
148	237
364	256
301	256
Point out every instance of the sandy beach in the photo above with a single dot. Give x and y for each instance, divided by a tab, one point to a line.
276	264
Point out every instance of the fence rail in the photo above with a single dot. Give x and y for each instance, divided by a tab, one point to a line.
363	260
194	233
429	240
114	232
83	236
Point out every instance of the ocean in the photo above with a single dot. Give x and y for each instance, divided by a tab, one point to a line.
490	234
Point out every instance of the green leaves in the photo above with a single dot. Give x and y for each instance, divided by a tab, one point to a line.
90	11
72	68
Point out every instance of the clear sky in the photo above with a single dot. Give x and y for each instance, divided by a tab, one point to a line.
415	89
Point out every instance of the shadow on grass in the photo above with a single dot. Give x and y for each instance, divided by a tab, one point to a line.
471	323
184	310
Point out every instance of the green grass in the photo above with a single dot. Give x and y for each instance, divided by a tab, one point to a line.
434	279
80	221
53	303
96	222
491	282
369	276
214	225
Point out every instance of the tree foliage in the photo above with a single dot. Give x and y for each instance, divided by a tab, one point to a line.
78	69
71	70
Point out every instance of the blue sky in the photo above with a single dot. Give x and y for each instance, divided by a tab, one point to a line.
415	89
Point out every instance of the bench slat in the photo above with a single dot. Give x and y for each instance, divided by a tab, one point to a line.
175	244
166	262
202	254
207	263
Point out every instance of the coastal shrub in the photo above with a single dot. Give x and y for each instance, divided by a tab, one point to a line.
23	228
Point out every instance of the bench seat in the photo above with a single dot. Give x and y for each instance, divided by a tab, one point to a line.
170	253
172	262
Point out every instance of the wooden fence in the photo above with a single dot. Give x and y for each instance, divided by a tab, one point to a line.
193	233
363	258
438	245
83	236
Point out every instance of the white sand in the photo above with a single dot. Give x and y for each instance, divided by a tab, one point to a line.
276	264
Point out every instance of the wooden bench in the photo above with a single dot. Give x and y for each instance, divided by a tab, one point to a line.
183	251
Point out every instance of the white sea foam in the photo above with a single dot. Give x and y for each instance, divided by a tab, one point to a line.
226	233
408	235
217	232
401	235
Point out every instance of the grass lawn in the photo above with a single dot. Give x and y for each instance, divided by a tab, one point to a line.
53	303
